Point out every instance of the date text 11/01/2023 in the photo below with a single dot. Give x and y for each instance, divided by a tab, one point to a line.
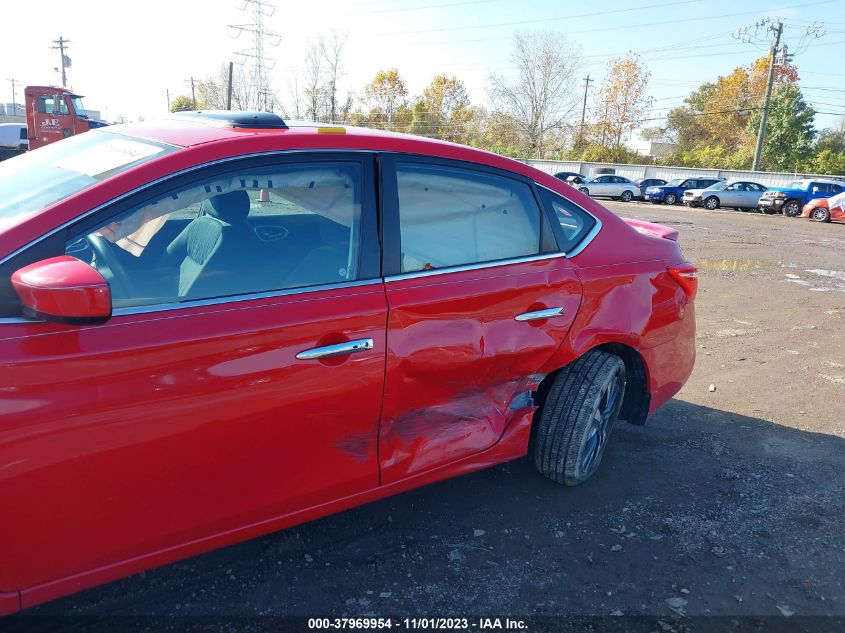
435	624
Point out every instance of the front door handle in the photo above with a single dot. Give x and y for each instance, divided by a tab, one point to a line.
539	314
350	347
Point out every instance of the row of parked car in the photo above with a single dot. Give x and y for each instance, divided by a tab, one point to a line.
810	197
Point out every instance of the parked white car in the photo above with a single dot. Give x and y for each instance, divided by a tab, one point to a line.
608	186
13	136
737	194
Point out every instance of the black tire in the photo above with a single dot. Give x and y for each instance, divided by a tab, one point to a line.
671	198
792	208
584	190
578	416
626	196
711	203
820	214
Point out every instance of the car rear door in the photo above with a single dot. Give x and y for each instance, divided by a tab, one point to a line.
211	414
479	298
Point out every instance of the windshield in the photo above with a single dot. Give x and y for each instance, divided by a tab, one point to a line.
675	182
77	106
719	186
35	180
795	184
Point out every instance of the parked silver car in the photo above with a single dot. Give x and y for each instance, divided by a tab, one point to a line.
737	194
610	187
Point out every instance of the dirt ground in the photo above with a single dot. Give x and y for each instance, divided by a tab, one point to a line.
729	502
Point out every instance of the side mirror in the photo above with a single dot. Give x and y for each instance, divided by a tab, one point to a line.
815	189
63	289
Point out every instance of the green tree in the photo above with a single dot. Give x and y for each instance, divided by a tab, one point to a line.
790	131
182	103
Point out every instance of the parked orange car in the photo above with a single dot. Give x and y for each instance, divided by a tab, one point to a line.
825	209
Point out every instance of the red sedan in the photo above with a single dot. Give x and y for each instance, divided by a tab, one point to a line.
219	326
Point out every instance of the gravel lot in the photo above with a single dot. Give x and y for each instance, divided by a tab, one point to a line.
729	502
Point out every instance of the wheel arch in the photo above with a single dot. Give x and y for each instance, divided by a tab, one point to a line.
637	400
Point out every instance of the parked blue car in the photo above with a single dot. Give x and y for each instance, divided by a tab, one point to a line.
673	191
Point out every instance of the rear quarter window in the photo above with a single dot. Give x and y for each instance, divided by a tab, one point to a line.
572	223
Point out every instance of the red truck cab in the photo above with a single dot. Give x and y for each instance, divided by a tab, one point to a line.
53	114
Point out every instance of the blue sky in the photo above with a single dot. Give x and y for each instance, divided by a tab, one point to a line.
125	55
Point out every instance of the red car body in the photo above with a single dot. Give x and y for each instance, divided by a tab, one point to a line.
158	435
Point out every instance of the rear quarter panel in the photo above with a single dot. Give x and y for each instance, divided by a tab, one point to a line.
630	298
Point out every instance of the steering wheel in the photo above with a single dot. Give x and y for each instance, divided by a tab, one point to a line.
106	253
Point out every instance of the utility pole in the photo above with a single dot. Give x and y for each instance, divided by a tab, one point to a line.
761	134
14	103
229	89
167	94
61	44
193	92
584	107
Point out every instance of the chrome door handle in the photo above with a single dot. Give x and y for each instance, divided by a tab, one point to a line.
350	347
539	314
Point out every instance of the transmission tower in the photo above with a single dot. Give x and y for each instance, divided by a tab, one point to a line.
261	9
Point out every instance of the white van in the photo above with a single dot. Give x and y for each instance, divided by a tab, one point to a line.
13	136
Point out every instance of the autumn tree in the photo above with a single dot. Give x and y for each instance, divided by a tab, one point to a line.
386	95
538	96
213	92
621	101
715	118
443	110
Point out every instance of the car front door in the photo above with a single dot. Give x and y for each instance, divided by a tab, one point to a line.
748	195
479	297
238	381
604	186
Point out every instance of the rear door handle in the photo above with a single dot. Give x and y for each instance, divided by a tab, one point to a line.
539	314
350	347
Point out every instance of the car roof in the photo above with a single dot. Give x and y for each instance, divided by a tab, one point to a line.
256	132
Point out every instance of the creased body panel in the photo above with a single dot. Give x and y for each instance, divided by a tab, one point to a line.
641	306
459	366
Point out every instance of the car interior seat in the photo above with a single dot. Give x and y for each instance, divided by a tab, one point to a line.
215	253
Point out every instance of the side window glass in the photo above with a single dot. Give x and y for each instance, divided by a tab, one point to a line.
245	232
451	217
575	223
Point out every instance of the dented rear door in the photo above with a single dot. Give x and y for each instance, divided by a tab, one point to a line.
465	342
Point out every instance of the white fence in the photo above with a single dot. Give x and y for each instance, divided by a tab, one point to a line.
768	178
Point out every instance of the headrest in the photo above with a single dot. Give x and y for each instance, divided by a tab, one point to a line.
230	207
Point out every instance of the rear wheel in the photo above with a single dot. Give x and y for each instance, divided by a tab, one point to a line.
820	214
578	416
671	198
792	208
626	196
